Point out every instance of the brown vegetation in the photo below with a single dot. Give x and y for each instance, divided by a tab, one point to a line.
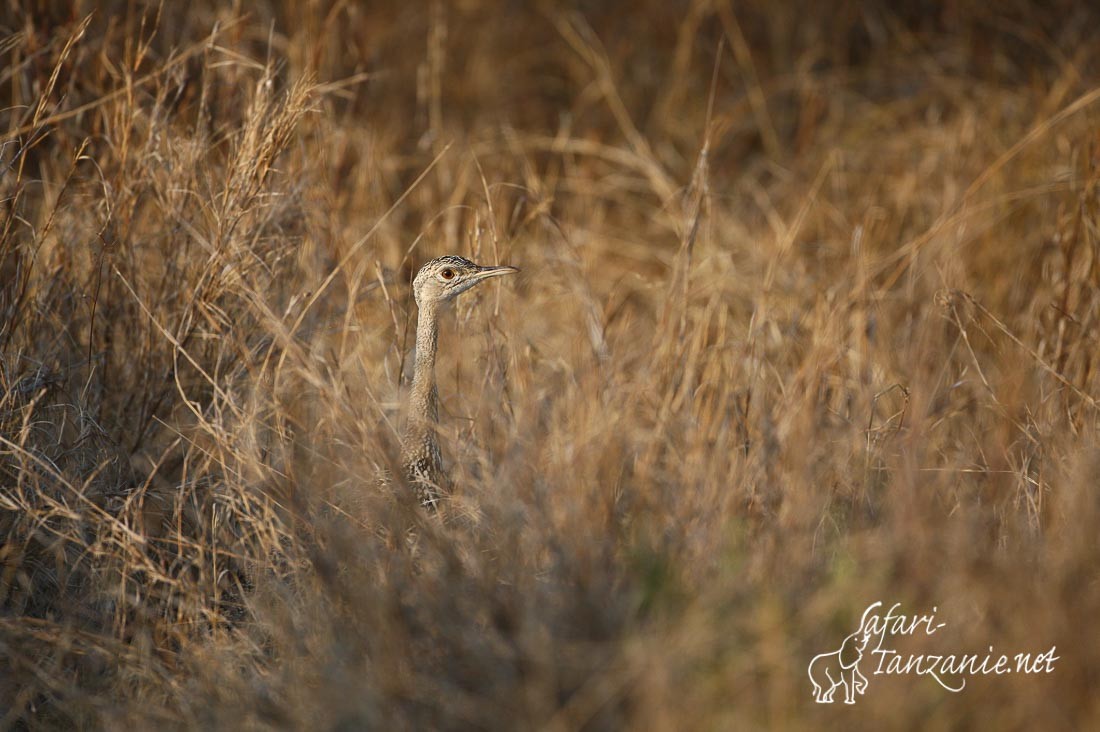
808	318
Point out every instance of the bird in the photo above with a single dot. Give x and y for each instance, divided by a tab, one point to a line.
438	282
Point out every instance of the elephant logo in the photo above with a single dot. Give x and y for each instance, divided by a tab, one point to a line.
828	671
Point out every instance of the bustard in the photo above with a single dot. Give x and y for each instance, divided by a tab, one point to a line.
437	282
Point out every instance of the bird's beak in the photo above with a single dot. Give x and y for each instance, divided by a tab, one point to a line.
484	273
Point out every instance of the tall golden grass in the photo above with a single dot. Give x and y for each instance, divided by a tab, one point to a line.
808	318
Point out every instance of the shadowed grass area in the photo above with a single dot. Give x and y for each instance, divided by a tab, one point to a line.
807	319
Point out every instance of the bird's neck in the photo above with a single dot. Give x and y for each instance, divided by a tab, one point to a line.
420	445
424	398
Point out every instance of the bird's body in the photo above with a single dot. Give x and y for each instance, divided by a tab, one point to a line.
437	282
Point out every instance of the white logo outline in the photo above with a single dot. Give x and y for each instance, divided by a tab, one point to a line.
841	668
827	671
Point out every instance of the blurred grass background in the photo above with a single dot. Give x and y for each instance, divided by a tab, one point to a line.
807	319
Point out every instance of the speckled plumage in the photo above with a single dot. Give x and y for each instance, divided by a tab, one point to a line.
437	282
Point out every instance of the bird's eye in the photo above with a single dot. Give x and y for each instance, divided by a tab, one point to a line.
447	274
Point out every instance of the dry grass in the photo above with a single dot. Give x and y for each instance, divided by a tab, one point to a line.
808	318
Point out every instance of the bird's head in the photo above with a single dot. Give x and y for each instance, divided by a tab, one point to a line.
446	277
